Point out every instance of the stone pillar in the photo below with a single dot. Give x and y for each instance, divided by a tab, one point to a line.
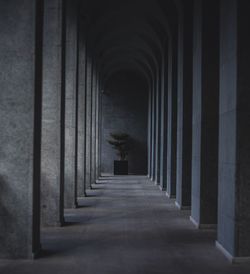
149	131
234	148
70	192
205	113
88	109
53	114
172	120
20	118
93	134
164	126
184	111
158	128
153	131
97	127
81	114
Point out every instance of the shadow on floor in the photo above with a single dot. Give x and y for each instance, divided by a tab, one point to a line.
128	227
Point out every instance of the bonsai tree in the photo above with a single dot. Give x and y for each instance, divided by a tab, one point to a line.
119	142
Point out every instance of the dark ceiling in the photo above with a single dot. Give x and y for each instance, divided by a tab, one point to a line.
129	34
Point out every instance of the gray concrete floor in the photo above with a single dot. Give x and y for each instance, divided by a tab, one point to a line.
126	225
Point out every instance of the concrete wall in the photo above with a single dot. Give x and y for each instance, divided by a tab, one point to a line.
124	109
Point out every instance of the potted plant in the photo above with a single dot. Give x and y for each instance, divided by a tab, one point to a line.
119	142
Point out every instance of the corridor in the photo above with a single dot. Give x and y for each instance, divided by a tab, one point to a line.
126	225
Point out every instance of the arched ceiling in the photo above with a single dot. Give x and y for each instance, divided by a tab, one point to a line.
130	34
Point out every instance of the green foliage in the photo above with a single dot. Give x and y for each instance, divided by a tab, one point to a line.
119	142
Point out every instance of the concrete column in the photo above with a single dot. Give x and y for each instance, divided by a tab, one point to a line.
234	149
97	127
20	118
88	109
149	131
205	114
172	120
164	126
81	107
153	132
93	134
158	128
184	111
70	191
52	179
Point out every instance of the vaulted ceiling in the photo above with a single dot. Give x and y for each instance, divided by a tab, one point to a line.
130	34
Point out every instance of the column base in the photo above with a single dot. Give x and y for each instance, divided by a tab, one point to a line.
162	188
182	207
73	206
37	253
54	224
203	226
76	205
156	183
232	259
170	196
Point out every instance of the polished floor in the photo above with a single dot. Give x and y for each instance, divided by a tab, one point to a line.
126	225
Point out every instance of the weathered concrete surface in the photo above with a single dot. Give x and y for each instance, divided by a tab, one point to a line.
52	116
124	109
127	226
98	128
153	131
70	191
81	114
172	120
205	113
164	119
88	125
149	131
93	128
20	121
184	107
158	128
234	150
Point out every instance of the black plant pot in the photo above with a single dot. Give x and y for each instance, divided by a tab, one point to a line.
120	167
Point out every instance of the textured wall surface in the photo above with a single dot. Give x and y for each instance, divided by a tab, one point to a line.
184	109
172	121
81	101
17	112
124	109
205	113
70	106
52	139
234	160
227	151
88	126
